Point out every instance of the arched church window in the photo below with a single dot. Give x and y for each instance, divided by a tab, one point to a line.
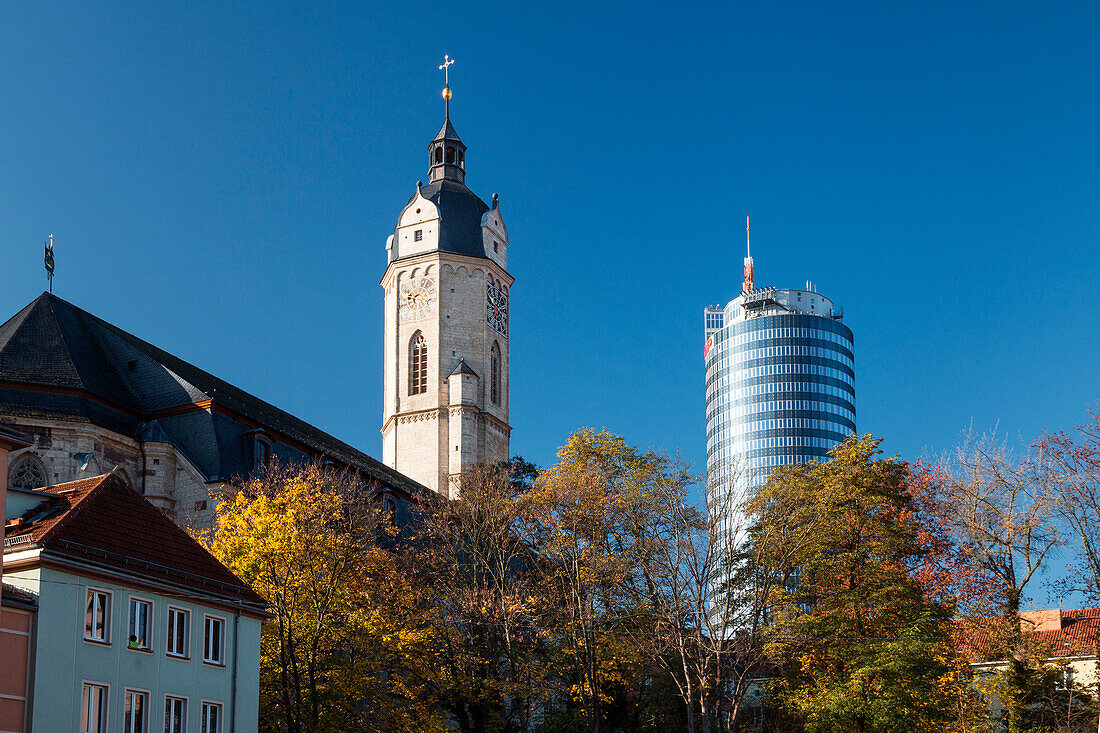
418	364
450	155
389	509
494	374
27	472
439	154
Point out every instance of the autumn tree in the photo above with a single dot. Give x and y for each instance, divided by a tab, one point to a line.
474	574
861	646
588	519
1072	463
709	588
1002	511
334	658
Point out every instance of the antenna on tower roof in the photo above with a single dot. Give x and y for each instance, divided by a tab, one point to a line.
748	284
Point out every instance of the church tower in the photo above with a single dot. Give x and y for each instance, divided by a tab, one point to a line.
447	326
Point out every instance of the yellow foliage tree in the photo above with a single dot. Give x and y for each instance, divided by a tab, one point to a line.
339	654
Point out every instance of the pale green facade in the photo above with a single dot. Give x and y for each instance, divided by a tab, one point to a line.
64	661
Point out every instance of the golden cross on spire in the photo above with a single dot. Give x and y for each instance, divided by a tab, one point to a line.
445	68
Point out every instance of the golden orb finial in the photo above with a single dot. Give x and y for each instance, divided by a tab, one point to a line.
447	93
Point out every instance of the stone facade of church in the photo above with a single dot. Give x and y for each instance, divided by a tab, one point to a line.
447	327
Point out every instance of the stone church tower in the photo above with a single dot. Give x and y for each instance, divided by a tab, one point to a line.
446	326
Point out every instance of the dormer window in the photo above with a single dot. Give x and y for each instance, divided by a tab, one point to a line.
418	235
261	455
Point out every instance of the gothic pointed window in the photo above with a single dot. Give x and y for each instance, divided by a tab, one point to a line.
494	374
418	364
27	472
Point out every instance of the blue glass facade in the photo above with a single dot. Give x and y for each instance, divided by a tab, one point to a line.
780	387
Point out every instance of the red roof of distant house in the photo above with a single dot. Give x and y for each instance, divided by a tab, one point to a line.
1058	632
101	521
18	597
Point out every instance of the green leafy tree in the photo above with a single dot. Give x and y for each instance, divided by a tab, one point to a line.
862	648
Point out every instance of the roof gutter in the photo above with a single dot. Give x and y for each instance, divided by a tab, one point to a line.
63	561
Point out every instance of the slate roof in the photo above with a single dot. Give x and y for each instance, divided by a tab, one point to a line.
58	361
100	521
446	132
460	212
1076	634
463	368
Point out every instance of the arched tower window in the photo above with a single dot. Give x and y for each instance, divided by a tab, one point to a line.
418	364
27	472
450	155
439	154
494	374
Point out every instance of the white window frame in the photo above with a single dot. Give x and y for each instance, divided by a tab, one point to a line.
106	639
167	721
218	661
204	726
148	694
186	653
148	646
104	706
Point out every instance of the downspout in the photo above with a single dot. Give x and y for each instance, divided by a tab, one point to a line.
144	465
233	690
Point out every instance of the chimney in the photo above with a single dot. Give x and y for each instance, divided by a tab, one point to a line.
1048	620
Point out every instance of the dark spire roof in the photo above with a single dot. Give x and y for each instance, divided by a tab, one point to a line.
60	362
463	368
460	212
447	132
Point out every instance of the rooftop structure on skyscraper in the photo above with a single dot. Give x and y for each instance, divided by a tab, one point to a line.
780	388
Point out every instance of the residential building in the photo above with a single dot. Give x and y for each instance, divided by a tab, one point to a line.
94	398
780	389
17	610
447	326
138	628
1065	639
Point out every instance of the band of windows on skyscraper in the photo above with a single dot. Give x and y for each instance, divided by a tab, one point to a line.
780	390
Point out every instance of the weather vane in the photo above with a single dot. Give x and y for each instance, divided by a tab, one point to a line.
48	254
445	68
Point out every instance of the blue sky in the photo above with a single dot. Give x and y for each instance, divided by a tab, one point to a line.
221	179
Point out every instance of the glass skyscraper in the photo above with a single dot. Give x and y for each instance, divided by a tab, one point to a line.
780	376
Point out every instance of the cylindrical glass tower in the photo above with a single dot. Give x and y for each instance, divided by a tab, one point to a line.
780	389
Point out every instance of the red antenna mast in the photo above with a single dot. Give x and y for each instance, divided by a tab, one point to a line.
748	284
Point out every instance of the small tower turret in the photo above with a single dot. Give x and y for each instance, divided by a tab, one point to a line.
446	154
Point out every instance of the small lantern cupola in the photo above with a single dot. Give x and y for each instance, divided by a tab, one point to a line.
447	154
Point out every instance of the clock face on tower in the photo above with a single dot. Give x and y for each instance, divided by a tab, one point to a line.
417	299
496	309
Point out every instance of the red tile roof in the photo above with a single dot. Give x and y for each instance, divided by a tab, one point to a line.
1056	632
18	596
101	521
